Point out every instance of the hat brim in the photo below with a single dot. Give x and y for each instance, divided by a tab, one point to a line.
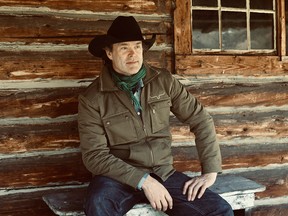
98	43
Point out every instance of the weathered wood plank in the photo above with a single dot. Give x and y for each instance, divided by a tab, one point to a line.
252	124
236	190
238	156
243	129
65	64
132	6
60	29
39	102
182	28
54	102
24	204
53	169
27	202
40	134
241	94
46	170
203	65
270	210
275	178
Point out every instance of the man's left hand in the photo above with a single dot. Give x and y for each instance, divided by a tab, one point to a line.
197	186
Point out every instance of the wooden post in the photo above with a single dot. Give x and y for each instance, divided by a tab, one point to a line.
282	29
183	28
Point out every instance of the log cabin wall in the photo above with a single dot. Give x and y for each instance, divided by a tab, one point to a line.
45	64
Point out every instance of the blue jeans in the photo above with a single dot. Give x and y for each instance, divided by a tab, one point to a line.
107	197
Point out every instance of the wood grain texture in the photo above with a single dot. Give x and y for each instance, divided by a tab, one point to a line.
36	103
68	29
45	170
182	28
244	129
64	64
25	138
64	167
132	6
54	102
270	210
266	66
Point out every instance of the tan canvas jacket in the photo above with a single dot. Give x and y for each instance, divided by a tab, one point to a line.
117	143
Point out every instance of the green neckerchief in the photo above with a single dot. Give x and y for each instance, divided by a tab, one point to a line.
128	83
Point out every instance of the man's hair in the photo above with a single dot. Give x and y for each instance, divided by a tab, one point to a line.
104	57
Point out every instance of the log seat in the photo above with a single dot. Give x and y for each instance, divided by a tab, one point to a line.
237	190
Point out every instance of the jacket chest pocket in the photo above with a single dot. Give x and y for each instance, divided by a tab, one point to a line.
159	113
120	128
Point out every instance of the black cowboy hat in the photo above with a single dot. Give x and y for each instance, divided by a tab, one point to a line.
122	29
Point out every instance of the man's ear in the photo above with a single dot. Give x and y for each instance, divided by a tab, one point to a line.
108	53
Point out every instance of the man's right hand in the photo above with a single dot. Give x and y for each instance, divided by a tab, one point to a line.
157	194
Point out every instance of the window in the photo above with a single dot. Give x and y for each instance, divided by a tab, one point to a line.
242	25
242	37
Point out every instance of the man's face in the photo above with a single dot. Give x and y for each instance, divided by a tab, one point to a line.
126	57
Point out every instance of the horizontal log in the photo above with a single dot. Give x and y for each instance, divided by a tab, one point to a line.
238	156
270	210
36	103
252	124
274	178
59	29
27	65
39	134
241	94
203	65
50	167
55	102
121	6
24	204
29	202
54	136
48	170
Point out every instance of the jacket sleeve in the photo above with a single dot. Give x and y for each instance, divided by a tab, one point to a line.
188	110
95	152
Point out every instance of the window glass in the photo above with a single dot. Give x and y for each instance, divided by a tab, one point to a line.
234	31
205	30
234	25
234	4
262	35
261	4
207	3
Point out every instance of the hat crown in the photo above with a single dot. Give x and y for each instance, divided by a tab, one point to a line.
125	29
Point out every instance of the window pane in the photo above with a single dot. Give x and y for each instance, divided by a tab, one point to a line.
262	36
233	3
205	30
208	3
234	33
261	4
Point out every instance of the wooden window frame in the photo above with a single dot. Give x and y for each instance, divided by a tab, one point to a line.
183	35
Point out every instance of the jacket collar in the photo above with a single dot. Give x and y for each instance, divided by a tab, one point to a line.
107	83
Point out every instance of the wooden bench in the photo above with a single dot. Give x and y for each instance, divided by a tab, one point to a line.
237	190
